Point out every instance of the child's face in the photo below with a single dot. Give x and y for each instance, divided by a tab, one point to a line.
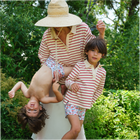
32	108
94	56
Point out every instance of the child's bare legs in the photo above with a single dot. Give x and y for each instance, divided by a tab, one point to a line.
75	127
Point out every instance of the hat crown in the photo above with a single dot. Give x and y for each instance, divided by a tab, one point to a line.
59	16
58	8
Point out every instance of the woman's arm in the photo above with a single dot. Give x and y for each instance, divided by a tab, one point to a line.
43	52
67	70
101	28
19	85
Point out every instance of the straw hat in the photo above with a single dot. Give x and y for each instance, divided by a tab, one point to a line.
58	15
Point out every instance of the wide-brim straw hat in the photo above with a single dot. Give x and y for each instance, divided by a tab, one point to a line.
59	16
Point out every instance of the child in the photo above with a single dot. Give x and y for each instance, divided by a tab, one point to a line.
85	84
38	91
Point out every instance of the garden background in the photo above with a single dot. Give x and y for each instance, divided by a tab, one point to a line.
116	114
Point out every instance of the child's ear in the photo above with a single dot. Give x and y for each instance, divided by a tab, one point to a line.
102	55
40	107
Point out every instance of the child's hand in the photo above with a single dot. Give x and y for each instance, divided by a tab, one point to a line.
75	87
11	94
55	86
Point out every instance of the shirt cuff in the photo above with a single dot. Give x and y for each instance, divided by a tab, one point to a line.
68	84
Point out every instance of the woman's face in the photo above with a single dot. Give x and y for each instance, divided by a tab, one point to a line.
57	28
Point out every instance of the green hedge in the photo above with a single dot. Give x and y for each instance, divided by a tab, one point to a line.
10	129
115	115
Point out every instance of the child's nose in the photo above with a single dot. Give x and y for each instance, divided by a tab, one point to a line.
95	52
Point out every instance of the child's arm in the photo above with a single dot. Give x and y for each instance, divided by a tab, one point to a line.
58	98
19	85
75	87
70	81
99	89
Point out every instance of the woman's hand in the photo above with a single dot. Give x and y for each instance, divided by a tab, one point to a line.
75	87
56	76
101	28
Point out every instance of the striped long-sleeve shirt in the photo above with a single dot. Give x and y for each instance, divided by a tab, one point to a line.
72	52
91	87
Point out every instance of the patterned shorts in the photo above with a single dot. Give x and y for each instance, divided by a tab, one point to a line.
74	110
52	65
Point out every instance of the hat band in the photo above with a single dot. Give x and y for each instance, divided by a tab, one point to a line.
59	11
58	15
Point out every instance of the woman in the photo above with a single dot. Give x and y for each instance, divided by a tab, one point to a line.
64	42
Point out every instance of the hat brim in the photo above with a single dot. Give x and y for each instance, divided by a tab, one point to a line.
64	21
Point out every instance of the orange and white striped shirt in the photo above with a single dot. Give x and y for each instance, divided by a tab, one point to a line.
91	82
71	53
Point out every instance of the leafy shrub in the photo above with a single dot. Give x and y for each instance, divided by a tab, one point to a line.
122	61
9	107
115	115
20	38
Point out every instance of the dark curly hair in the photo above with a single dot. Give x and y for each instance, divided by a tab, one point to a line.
35	124
98	43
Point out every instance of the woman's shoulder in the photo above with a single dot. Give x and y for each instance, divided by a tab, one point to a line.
48	31
83	25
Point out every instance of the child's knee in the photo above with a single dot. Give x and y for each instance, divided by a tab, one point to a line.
76	130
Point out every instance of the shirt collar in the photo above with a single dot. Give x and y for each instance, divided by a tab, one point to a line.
94	70
88	65
53	34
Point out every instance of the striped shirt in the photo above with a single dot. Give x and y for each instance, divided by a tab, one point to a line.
72	52
90	87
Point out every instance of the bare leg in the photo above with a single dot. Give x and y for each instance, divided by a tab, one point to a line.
67	71
75	127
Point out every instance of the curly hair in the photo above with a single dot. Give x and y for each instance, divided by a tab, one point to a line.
35	124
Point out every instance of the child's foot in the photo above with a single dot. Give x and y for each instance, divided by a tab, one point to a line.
63	89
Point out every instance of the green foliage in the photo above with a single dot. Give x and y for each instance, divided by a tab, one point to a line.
20	38
9	107
122	62
115	115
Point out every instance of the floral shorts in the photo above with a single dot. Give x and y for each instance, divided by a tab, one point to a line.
52	65
74	110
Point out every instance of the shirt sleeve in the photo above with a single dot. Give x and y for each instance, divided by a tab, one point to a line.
88	35
72	76
43	52
99	89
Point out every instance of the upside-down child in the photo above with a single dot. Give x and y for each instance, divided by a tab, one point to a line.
33	113
85	84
